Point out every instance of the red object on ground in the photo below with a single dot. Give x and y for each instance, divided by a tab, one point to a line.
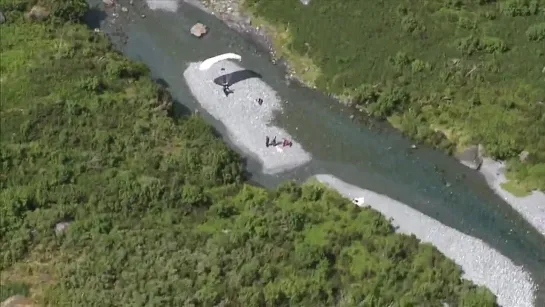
286	143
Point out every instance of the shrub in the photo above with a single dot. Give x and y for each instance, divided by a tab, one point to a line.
514	8
13	288
471	44
536	32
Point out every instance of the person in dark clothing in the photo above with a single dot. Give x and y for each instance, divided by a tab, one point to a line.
259	101
269	143
227	90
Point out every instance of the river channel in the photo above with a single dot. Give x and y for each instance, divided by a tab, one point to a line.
374	157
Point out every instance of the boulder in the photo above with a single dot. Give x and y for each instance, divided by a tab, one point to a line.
2	17
198	30
17	301
61	227
37	13
471	157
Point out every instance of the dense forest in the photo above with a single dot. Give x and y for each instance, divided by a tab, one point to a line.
109	199
451	73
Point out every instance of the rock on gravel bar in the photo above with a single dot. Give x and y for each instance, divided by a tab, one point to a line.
247	123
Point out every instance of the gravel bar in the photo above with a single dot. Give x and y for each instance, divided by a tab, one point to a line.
481	264
247	123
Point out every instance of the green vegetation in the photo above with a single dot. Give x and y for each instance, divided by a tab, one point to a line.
157	210
13	288
450	73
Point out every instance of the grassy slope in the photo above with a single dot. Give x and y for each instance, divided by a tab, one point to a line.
159	211
470	72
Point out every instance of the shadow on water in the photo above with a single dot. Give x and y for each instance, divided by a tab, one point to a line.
94	17
236	76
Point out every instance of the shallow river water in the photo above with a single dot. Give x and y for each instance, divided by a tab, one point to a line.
377	158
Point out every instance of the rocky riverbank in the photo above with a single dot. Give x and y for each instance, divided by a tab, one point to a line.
232	14
531	207
481	264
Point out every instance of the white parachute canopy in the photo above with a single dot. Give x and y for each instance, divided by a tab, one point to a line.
213	60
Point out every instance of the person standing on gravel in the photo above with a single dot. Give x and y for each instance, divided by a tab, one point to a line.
227	90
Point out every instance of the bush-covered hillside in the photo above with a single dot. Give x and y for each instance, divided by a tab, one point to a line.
447	72
107	200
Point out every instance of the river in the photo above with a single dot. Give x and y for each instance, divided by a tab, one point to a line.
374	157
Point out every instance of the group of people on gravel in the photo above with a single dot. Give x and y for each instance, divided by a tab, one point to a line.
284	143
